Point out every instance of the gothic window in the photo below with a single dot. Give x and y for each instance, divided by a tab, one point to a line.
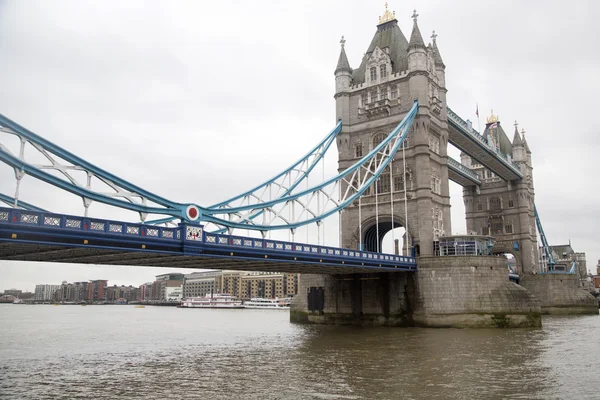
358	150
497	225
434	144
394	90
364	99
495	203
380	137
511	203
398	183
508	228
485	230
383	184
479	207
382	93
373	74
382	71
436	184
373	96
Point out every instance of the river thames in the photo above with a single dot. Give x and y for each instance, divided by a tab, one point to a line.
108	352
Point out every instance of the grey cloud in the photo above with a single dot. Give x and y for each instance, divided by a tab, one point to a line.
198	101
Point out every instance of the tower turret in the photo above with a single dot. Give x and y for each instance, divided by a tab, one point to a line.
417	65
343	79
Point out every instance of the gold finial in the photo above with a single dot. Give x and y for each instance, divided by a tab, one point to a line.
492	118
387	15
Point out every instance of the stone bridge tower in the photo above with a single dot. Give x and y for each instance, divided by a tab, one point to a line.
505	209
371	100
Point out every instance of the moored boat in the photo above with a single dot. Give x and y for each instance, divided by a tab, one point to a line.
217	300
269	304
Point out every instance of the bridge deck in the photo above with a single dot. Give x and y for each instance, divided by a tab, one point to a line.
40	236
470	142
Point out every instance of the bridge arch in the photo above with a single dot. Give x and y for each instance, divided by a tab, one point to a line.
370	228
498	251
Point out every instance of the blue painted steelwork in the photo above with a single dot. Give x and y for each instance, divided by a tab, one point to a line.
386	150
222	215
20	204
463	171
545	245
316	153
457	122
171	208
32	227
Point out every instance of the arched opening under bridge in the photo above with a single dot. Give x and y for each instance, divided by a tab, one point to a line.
387	236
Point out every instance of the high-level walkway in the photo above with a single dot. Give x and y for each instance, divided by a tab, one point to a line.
466	139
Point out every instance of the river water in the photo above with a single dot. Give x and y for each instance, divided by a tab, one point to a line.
123	352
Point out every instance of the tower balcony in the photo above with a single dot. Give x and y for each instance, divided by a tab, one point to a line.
378	108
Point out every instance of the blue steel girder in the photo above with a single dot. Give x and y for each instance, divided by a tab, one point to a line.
19	203
328	197
545	245
468	140
38	236
313	204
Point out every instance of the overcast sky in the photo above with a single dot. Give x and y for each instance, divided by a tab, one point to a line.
198	101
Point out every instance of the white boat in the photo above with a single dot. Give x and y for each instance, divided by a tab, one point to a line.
269	304
217	300
18	301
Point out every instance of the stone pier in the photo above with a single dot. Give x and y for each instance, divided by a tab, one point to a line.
467	291
560	294
471	291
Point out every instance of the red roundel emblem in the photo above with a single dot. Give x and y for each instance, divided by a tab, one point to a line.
192	213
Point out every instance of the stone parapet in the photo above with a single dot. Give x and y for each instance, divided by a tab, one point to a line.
560	294
471	291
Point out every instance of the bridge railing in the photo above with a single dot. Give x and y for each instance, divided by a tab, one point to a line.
73	223
188	233
458	121
465	170
301	248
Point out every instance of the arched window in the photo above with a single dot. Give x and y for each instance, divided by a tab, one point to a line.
358	150
373	74
495	203
382	71
394	92
398	183
383	183
380	137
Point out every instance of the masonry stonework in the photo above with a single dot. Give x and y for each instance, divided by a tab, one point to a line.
560	293
471	291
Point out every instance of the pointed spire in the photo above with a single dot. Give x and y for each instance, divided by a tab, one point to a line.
517	137
437	57
343	64
416	40
525	141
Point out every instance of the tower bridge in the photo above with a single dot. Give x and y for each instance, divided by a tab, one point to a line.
392	135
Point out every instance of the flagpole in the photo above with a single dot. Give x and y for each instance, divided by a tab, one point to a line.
477	113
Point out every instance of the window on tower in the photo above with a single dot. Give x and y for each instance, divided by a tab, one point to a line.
364	99
383	184
382	71
398	183
394	92
373	74
378	139
358	150
373	97
382	93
